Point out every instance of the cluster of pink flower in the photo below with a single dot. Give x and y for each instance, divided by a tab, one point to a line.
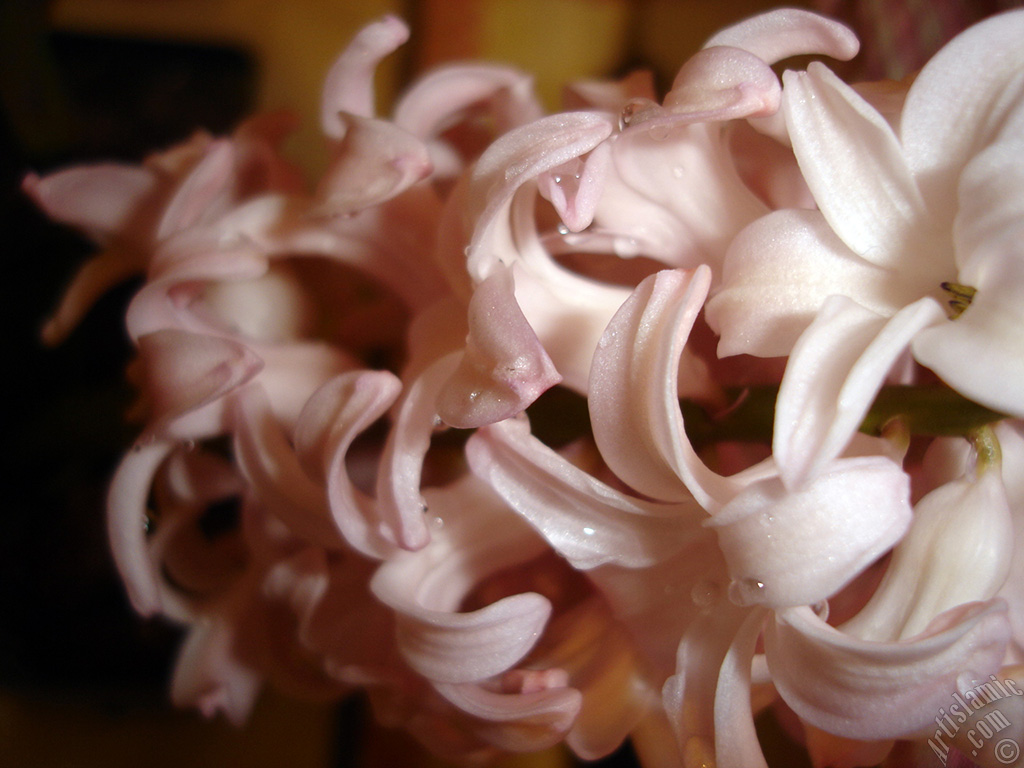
338	484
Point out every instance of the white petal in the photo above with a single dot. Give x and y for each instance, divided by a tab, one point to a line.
854	166
777	274
833	375
587	522
865	690
786	32
801	547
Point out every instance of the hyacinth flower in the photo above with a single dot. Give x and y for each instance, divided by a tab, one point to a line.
919	213
339	483
844	681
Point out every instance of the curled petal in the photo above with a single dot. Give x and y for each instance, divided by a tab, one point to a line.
575	188
866	690
209	676
332	418
504	367
957	551
587	522
778	272
184	371
801	547
427	108
374	161
269	463
105	201
736	742
689	695
633	401
786	32
348	86
832	377
724	83
464	647
399	501
126	523
856	169
515	158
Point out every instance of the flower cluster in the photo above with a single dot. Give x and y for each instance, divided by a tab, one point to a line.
629	421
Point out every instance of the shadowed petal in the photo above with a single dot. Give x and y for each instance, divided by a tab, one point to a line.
865	690
504	367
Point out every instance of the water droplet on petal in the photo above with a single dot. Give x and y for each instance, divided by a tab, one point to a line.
558	179
632	110
563	230
437	523
588	531
705	594
659	132
745	591
678	171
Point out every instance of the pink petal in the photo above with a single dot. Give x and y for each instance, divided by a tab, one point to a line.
833	375
724	83
332	419
504	367
202	193
854	166
400	503
587	522
575	187
126	523
515	158
440	97
374	161
209	676
778	273
106	201
865	690
268	461
348	86
736	741
184	371
800	547
97	276
959	101
633	401
779	34
957	551
689	696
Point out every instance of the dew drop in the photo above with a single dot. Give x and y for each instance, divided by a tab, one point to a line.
745	591
437	523
189	445
563	230
558	179
705	594
588	531
632	110
659	132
